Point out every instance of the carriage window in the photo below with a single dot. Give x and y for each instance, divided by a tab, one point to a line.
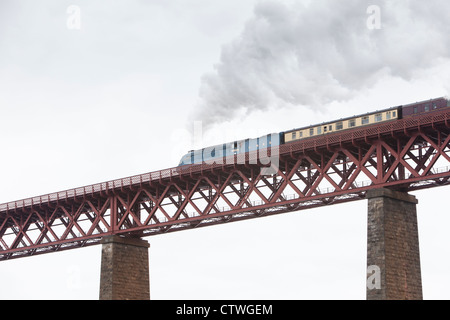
434	107
351	123
294	135
388	115
365	120
330	127
319	130
378	117
394	114
427	107
311	131
415	110
339	125
300	134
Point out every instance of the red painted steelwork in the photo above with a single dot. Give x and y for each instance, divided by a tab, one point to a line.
407	154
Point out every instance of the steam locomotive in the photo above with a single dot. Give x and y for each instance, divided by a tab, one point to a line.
213	153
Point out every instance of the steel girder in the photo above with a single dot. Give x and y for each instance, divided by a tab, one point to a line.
408	154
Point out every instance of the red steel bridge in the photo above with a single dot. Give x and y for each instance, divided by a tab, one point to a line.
407	154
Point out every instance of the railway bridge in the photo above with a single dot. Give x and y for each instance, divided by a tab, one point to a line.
380	163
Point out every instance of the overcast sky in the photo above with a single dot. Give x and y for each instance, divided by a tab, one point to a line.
97	90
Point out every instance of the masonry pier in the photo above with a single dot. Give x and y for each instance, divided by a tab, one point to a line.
393	259
124	269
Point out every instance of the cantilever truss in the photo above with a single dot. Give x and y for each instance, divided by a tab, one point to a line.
409	154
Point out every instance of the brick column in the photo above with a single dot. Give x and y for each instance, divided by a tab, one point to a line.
124	269
393	260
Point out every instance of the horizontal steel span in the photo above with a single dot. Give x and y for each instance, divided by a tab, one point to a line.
407	154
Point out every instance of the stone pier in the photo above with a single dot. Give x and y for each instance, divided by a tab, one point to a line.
124	269
393	259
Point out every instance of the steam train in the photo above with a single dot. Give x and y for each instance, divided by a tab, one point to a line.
213	153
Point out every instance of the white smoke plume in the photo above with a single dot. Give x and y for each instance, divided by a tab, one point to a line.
310	53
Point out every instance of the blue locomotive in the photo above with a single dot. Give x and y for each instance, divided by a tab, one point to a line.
214	153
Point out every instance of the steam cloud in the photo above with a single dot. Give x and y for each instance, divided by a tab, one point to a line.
315	52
